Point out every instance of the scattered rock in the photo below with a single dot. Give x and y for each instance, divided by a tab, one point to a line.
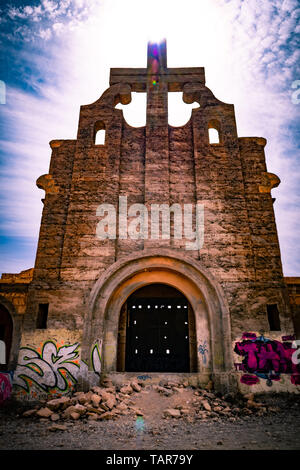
206	405
216	409
127	390
57	427
164	391
172	413
135	386
104	406
29	413
93	416
57	403
137	411
106	416
177	389
253	404
121	406
74	409
55	417
111	402
95	399
44	413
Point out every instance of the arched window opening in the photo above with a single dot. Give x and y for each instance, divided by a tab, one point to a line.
214	132
135	112
179	113
6	328
213	135
99	133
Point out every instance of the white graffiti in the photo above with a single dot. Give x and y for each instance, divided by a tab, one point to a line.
52	368
96	358
296	354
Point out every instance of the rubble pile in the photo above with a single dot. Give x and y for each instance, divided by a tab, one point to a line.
109	402
207	405
100	403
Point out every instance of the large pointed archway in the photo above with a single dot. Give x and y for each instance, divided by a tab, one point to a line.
193	281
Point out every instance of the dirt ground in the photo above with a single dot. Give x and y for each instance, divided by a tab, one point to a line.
274	431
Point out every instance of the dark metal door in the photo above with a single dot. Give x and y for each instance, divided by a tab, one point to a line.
157	335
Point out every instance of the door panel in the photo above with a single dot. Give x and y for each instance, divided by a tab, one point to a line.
157	335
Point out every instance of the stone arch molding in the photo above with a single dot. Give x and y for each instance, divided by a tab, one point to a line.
16	333
165	266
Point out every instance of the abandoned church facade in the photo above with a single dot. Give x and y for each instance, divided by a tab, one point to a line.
155	304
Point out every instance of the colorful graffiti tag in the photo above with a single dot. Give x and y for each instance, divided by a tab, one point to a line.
5	386
266	359
53	368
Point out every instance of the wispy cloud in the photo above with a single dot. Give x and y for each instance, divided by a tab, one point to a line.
59	54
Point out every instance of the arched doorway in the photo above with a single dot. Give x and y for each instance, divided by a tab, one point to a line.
6	331
187	275
156	331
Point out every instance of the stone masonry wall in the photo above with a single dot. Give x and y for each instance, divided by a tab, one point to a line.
162	164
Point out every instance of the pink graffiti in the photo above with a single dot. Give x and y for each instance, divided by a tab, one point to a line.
5	387
249	379
267	359
249	336
288	338
239	366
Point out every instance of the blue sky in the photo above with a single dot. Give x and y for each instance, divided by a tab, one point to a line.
56	56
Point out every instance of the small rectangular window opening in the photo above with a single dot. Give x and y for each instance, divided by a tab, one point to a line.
42	317
273	317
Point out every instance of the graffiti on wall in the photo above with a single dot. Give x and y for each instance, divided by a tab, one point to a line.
203	350
5	386
54	368
266	359
96	358
144	377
